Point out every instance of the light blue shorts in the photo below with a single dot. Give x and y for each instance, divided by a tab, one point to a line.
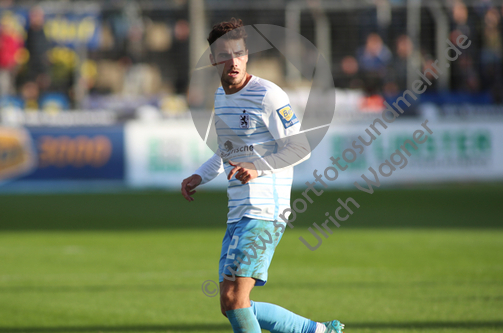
238	257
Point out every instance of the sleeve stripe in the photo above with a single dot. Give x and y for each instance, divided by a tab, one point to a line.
261	204
234	180
261	198
236	114
237	107
243	129
246	134
259	184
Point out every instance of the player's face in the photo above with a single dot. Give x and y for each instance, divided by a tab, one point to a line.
231	57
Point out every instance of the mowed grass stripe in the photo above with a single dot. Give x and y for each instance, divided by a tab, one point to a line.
463	206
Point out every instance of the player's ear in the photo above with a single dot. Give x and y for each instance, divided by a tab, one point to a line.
212	60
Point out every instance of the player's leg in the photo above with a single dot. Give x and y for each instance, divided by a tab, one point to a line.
248	252
235	304
235	291
248	316
276	319
236	294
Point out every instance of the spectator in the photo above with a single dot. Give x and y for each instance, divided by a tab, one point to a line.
464	77
404	48
30	94
347	76
37	45
460	18
492	51
374	57
428	67
181	56
11	43
372	100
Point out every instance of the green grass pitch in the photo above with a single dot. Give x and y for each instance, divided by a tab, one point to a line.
408	260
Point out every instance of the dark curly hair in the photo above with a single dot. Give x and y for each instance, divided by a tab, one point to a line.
233	29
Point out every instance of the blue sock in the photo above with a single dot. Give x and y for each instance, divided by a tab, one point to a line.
276	319
243	321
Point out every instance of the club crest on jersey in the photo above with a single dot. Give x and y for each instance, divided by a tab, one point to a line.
244	120
288	118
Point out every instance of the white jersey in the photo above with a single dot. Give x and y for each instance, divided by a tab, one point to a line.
256	124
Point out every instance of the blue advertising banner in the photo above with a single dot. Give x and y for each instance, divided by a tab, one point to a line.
64	29
64	154
72	29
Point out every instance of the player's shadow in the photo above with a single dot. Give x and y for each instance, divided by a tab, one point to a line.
225	327
94	288
430	325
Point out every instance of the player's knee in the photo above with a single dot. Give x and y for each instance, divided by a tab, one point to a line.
227	300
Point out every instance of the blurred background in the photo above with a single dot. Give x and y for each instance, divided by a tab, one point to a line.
96	136
96	93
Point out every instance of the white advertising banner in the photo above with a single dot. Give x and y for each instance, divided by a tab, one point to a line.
452	152
163	153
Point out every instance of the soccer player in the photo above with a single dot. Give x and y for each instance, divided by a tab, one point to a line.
258	145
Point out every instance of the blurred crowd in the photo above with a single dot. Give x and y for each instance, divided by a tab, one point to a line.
127	57
380	69
117	58
24	64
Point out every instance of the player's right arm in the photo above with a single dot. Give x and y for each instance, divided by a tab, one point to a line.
188	186
206	172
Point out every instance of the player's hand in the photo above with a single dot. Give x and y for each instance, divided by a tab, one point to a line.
188	186
245	171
